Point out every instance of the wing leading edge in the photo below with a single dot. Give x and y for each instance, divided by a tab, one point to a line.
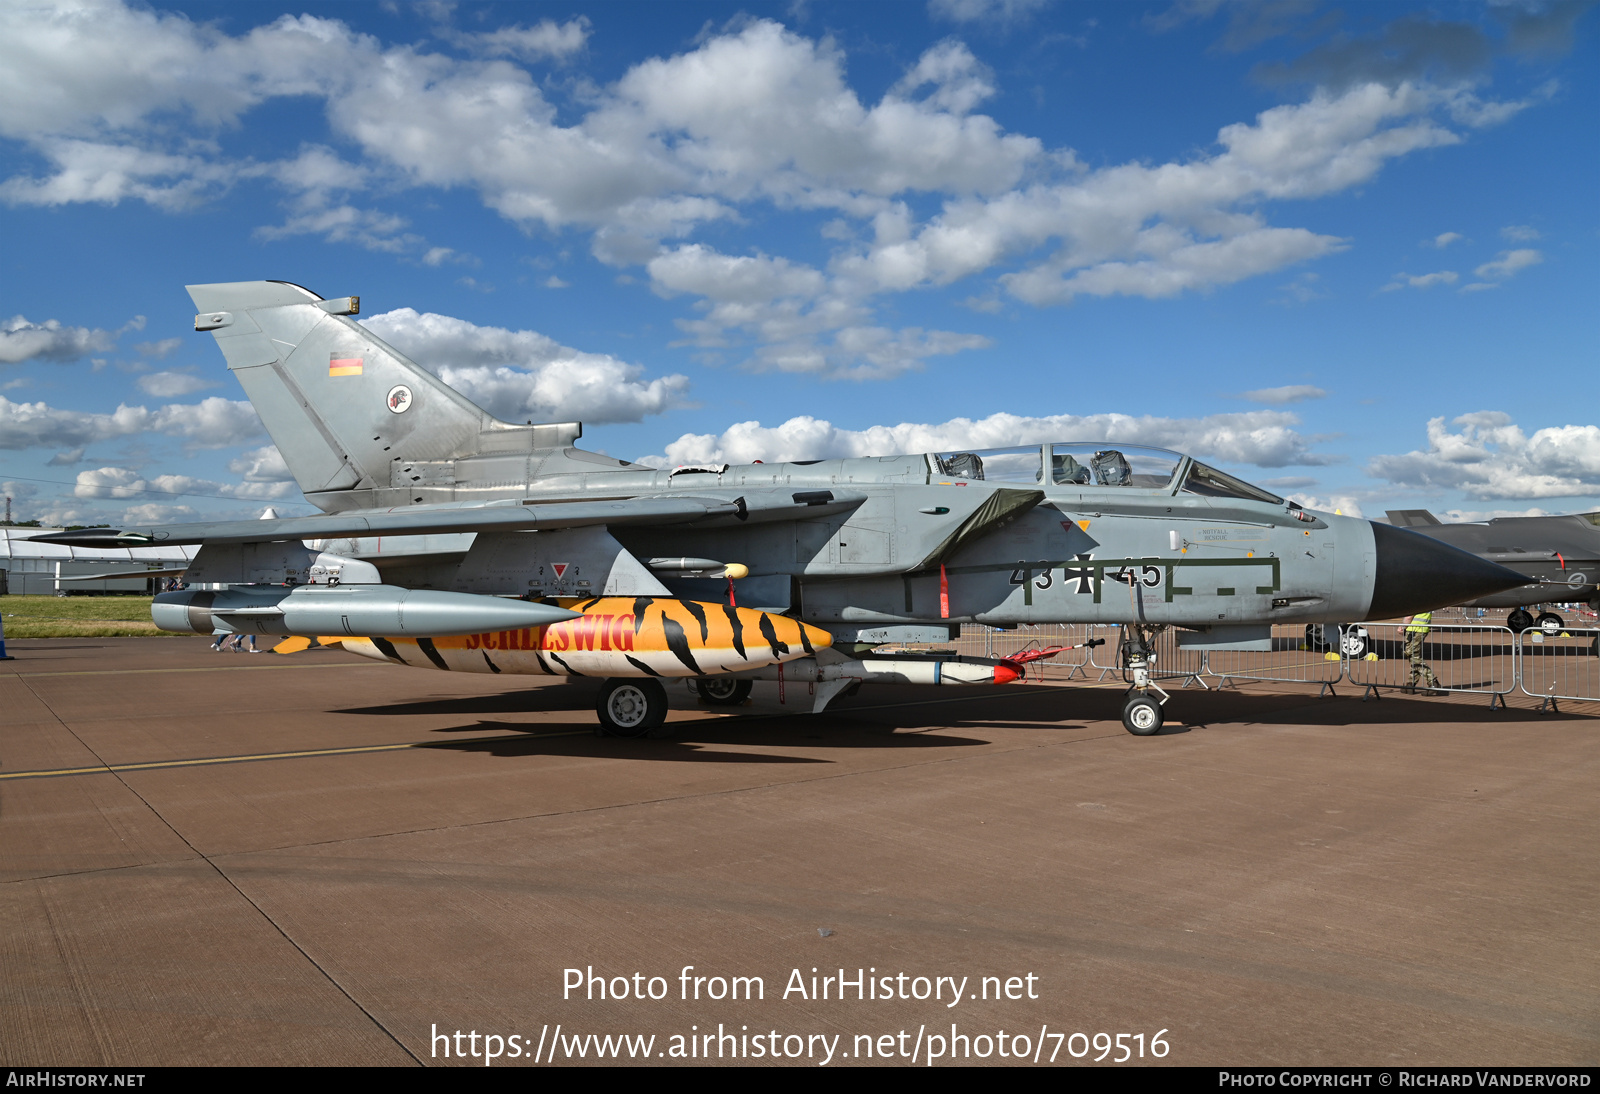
496	517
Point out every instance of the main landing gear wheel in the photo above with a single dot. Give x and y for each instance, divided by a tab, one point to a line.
1550	623
1519	621
1142	716
631	708
1353	643
1316	638
720	691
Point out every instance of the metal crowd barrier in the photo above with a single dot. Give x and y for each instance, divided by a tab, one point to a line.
1107	659
1467	658
1171	663
1291	660
1562	666
1065	665
1473	659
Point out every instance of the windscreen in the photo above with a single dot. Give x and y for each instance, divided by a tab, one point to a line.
1211	483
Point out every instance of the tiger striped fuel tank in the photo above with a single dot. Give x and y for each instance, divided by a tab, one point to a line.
616	636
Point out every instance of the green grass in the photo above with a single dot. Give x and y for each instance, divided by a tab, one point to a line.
77	616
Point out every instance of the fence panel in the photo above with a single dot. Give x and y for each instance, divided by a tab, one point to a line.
977	640
1291	660
1562	666
1472	659
1105	660
1099	662
1467	659
1063	666
1176	663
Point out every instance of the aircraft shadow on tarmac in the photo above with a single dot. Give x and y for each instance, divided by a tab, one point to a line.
888	727
1399	707
876	725
573	697
670	741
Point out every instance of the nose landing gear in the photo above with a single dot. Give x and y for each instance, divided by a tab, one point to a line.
1142	714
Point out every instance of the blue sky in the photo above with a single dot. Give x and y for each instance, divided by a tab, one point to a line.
1346	251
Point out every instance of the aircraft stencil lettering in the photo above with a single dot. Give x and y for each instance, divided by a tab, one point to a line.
444	523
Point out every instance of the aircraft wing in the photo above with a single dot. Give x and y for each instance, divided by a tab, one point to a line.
493	517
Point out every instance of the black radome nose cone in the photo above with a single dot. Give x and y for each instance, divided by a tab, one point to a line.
1417	574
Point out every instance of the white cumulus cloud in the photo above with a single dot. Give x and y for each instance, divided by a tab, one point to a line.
265	464
120	102
545	40
521	375
211	423
21	341
1345	504
125	482
1508	263
1265	438
1489	456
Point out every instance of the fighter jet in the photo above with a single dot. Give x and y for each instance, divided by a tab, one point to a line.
450	539
1560	556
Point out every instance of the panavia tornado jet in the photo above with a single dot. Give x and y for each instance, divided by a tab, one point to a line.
452	540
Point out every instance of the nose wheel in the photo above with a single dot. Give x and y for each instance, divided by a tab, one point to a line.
631	708
1141	715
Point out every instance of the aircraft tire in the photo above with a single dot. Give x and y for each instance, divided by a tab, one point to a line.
719	691
1519	621
1550	623
1353	644
1142	716
631	708
1316	638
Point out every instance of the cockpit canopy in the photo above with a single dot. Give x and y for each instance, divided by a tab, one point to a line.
1096	464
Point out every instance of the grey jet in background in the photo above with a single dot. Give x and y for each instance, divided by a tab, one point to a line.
450	539
1560	556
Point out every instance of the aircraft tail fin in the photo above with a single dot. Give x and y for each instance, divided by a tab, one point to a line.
346	409
1411	518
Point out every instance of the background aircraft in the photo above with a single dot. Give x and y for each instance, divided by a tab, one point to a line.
799	571
1560	554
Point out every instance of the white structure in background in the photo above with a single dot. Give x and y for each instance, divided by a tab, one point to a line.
37	568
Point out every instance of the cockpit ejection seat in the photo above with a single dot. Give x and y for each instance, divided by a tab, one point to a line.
1111	468
1068	471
